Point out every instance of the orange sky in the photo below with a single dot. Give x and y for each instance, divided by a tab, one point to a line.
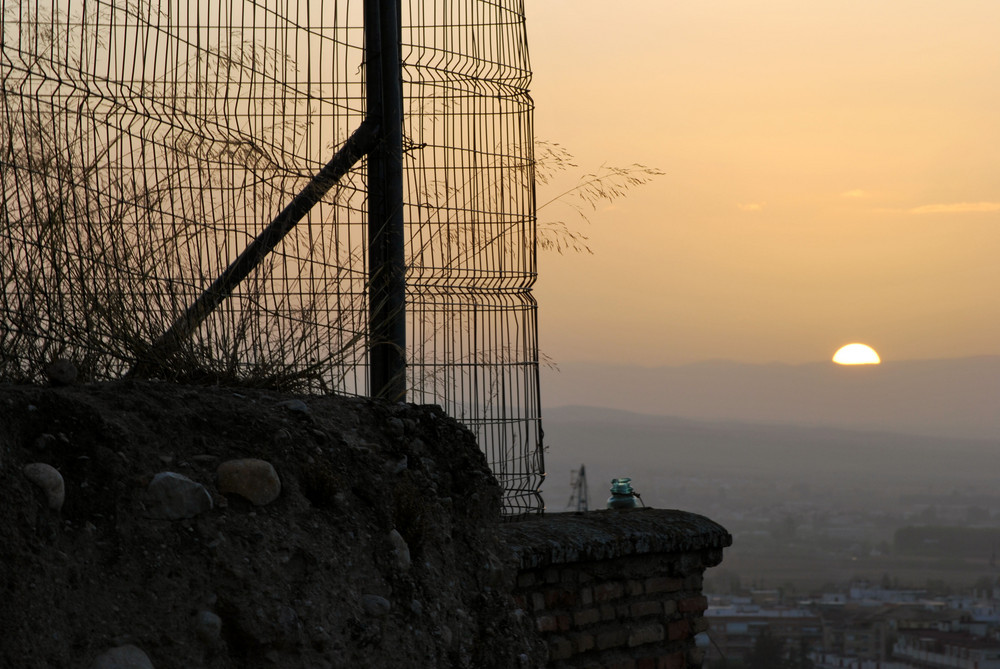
832	175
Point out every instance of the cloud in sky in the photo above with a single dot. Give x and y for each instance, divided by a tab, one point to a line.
751	206
956	208
857	192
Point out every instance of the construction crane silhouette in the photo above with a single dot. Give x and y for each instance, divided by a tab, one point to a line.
579	497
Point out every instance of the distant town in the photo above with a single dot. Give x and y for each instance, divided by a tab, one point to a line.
850	550
858	626
817	582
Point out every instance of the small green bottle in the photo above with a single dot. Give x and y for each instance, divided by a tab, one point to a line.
622	495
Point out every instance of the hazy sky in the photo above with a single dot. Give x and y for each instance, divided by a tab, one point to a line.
832	175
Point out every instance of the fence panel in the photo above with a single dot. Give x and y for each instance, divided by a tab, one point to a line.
146	143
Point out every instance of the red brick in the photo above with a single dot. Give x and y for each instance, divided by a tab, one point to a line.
559	598
562	622
663	584
583	642
520	601
693	604
586	617
608	591
640	609
635	588
612	638
560	648
646	634
675	661
679	629
623	664
546	623
646	663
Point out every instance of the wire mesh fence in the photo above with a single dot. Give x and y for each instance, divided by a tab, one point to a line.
146	143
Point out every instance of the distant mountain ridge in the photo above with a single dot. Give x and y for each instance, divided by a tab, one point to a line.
612	442
944	397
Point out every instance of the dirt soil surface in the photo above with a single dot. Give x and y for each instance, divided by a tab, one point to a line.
381	549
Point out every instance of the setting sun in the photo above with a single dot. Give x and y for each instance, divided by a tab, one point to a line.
856	354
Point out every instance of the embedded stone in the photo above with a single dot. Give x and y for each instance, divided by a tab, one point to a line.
400	550
208	626
396	466
376	606
288	619
250	478
175	496
495	574
297	406
395	428
47	478
122	657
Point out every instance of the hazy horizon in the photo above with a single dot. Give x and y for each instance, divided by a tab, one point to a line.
764	363
956	397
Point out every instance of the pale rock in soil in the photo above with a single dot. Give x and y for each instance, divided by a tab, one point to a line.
45	441
47	478
395	428
400	549
297	406
175	496
376	606
396	466
123	657
288	619
208	626
251	478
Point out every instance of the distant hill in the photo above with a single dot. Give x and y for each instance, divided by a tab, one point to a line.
949	398
612	443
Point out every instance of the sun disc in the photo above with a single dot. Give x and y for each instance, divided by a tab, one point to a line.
856	354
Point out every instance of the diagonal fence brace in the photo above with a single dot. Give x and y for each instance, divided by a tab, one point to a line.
359	144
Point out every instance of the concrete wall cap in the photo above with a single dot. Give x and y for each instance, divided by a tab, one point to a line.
563	538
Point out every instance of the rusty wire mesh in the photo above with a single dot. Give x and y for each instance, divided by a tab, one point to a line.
146	142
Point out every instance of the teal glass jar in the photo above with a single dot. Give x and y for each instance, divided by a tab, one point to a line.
622	495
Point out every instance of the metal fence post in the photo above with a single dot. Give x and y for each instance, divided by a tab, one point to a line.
386	259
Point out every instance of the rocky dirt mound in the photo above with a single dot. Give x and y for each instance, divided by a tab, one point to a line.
380	549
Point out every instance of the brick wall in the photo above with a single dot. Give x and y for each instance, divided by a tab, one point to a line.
616	588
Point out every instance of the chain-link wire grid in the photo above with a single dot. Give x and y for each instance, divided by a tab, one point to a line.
146	143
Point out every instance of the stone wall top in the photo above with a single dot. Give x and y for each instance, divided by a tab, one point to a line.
562	538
